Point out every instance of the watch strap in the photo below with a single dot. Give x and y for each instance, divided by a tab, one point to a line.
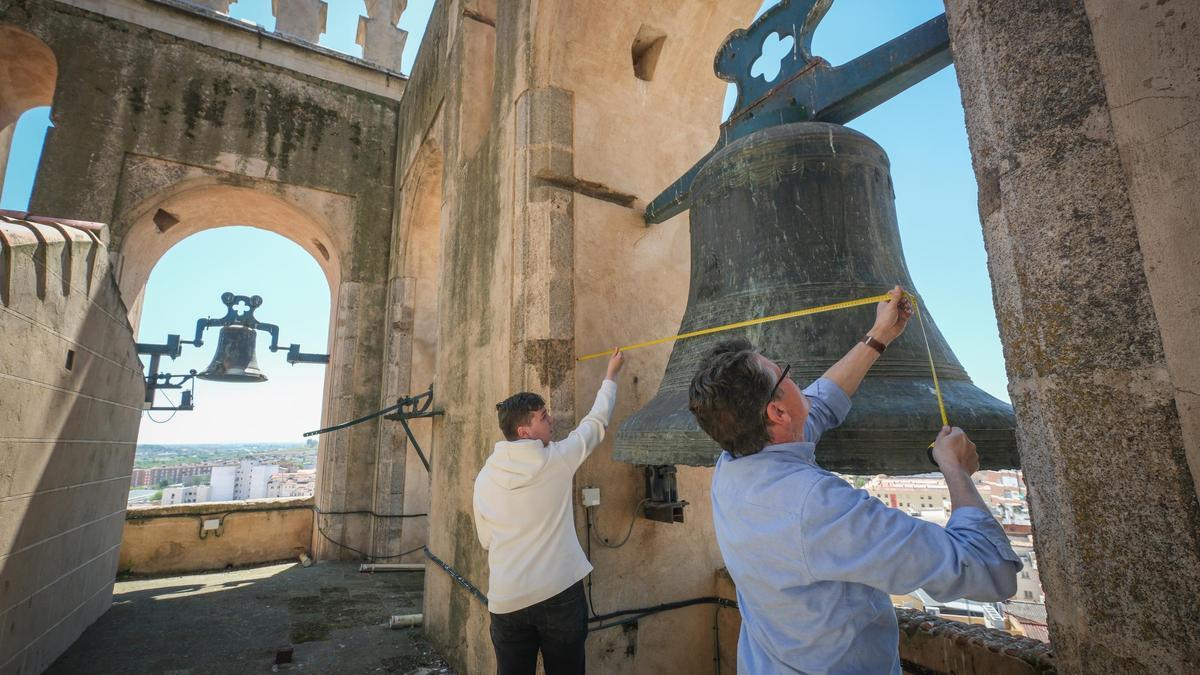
874	344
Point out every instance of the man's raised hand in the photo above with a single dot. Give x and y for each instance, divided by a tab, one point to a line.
615	362
891	316
953	450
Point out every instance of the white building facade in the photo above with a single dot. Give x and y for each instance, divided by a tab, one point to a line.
245	480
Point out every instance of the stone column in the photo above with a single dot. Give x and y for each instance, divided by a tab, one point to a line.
1148	54
1114	504
381	40
543	252
301	19
346	480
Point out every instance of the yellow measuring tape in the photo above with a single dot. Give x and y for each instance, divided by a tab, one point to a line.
937	389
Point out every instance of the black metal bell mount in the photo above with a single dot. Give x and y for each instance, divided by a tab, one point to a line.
235	359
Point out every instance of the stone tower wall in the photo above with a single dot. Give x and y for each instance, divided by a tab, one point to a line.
72	388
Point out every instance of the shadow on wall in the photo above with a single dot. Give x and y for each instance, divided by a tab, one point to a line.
69	411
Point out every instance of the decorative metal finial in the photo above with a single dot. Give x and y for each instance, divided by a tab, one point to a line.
807	87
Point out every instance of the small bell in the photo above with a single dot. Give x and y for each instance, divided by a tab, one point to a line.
235	358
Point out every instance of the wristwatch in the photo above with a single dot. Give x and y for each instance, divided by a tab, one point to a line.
874	344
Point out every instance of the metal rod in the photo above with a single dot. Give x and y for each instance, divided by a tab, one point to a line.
352	422
416	445
391	567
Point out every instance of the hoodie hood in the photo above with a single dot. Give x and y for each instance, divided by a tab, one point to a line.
515	464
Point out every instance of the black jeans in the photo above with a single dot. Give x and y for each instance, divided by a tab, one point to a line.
557	626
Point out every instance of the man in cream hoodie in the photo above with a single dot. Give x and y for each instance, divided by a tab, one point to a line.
524	519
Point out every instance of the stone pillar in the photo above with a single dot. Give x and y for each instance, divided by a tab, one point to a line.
382	42
1147	54
543	251
1114	503
301	19
346	479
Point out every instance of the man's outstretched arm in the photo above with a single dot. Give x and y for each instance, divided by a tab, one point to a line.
848	535
890	319
579	443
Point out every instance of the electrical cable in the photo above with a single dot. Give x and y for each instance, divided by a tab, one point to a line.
632	521
587	516
363	553
668	606
368	512
638	614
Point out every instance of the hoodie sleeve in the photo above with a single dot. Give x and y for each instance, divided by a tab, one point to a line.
482	529
579	443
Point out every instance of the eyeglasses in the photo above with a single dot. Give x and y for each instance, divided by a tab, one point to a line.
782	376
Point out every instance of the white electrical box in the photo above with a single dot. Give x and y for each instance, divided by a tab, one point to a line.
591	496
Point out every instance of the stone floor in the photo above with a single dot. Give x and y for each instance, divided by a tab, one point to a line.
235	621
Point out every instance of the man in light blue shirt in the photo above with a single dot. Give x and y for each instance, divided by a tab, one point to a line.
813	558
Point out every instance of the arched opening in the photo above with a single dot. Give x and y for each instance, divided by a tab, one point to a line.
28	74
314	227
158	223
288	240
235	428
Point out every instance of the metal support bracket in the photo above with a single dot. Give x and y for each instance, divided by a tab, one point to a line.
807	87
415	407
662	498
156	380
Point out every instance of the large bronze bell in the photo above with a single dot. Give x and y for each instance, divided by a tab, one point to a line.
235	358
796	216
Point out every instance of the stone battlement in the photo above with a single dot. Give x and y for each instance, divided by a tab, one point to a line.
51	256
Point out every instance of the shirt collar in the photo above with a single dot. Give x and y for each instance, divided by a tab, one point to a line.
799	449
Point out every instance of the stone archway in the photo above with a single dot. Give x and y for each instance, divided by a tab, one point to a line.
323	224
183	209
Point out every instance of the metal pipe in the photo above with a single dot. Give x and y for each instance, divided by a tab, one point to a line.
406	620
391	567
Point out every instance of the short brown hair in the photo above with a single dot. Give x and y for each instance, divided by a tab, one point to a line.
729	394
516	410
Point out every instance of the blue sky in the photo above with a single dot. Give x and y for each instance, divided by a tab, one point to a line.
922	131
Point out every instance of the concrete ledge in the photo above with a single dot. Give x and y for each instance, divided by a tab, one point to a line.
932	645
211	508
170	539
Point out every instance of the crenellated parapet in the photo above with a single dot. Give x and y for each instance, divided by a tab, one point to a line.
49	257
305	20
381	40
301	19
